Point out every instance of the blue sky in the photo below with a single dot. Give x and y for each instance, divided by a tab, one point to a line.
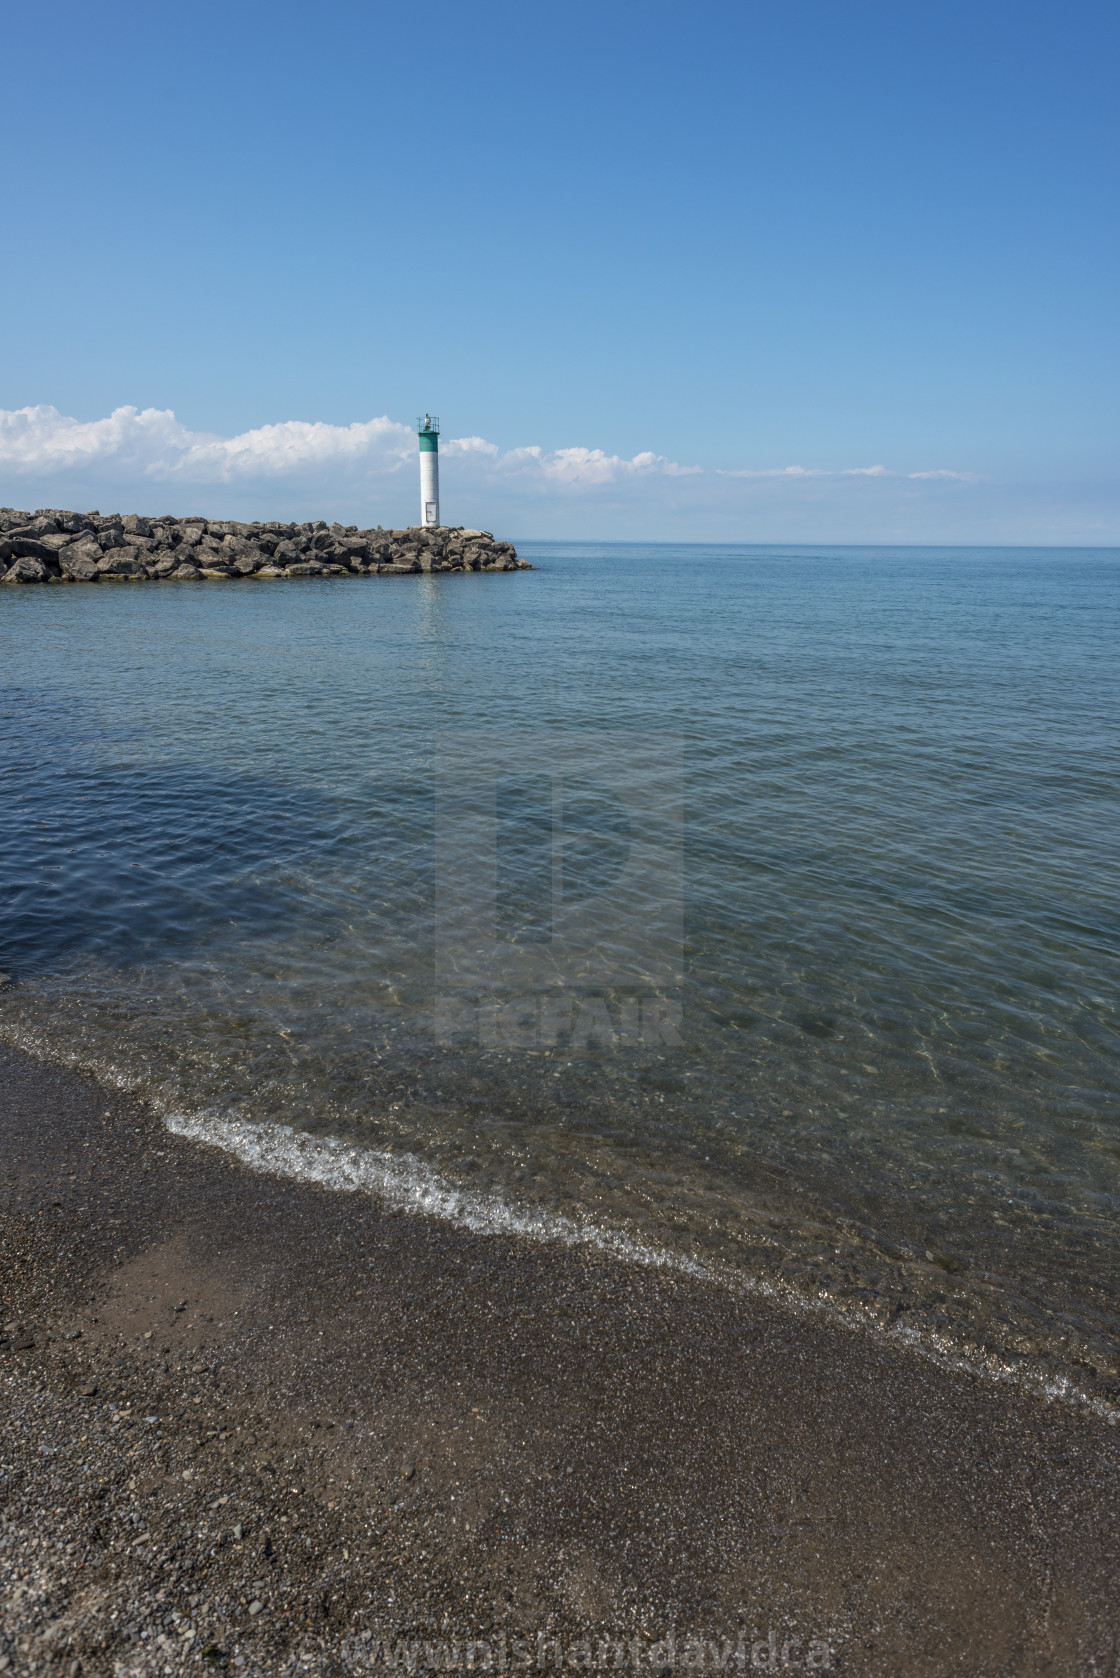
777	244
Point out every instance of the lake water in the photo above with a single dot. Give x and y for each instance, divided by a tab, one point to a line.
749	909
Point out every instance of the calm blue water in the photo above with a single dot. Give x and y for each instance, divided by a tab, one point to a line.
759	903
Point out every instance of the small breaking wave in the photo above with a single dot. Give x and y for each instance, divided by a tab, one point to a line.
406	1184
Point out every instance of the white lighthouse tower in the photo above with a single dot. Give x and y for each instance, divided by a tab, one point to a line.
428	427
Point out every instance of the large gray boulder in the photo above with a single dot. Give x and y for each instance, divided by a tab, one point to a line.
334	554
357	546
80	561
55	542
123	563
244	556
27	547
288	552
27	571
133	525
58	519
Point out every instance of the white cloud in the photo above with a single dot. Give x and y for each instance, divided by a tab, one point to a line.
962	477
40	442
804	472
775	472
842	472
366	473
292	446
579	468
469	445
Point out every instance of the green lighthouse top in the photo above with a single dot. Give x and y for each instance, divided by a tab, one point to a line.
428	425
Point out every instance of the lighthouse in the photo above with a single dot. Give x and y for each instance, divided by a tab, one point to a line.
428	427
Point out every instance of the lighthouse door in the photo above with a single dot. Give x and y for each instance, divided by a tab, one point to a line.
431	512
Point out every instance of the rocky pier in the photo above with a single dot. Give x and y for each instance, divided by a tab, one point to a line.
54	546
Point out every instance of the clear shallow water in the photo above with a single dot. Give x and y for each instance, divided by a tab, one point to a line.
758	906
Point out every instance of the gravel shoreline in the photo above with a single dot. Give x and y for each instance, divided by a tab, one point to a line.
250	1425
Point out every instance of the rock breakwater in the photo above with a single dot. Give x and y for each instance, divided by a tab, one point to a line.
55	546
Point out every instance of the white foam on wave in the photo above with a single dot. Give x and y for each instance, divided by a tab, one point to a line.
406	1184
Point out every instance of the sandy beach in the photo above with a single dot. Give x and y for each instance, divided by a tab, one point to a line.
255	1424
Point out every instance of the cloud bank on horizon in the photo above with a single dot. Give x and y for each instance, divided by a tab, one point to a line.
40	442
366	469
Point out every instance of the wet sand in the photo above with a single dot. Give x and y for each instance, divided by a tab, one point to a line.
396	1441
